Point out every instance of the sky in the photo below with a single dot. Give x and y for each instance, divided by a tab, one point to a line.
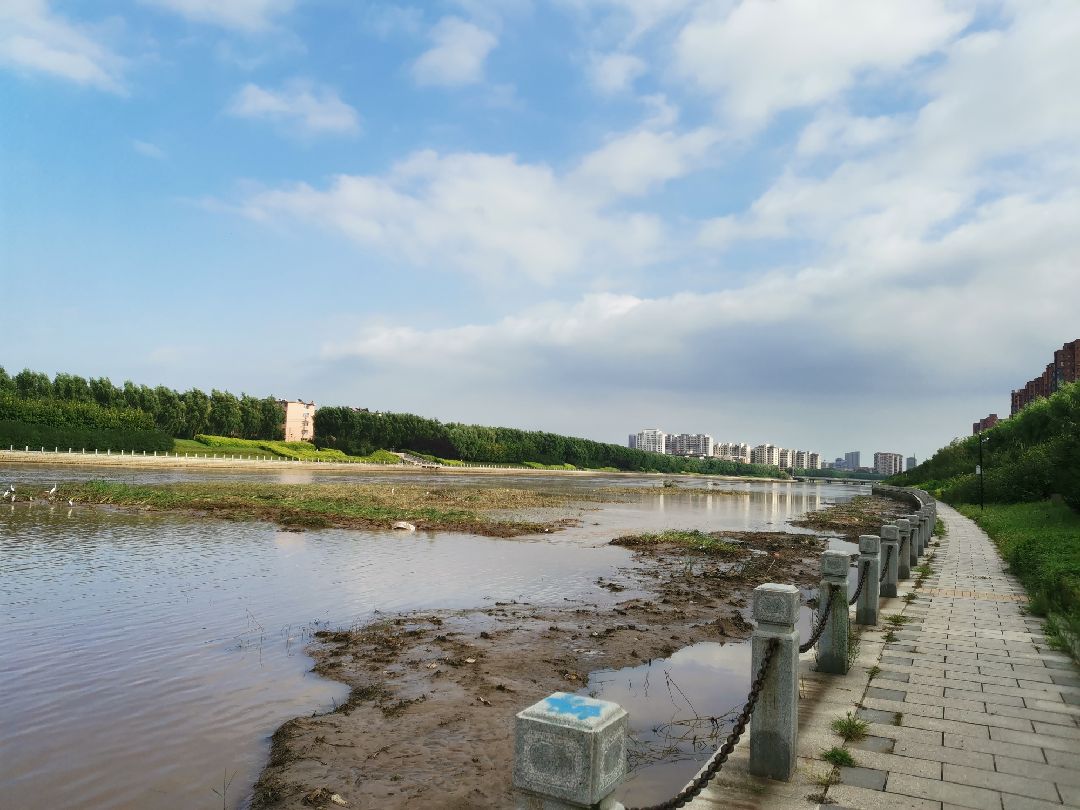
824	224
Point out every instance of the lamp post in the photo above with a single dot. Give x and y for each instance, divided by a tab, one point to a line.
979	470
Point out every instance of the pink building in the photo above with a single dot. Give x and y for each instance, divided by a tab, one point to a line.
299	420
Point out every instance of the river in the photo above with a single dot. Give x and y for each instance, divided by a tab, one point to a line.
148	657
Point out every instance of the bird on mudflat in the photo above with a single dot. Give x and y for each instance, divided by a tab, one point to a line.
52	491
71	501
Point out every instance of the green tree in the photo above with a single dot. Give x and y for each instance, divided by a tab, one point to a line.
7	385
71	388
196	412
104	392
169	413
225	416
32	385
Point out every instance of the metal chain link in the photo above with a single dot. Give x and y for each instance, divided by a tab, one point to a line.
862	581
885	567
705	775
810	642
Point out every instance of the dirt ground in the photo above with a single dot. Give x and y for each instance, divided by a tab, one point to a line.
429	720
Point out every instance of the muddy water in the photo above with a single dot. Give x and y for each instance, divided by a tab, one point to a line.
147	658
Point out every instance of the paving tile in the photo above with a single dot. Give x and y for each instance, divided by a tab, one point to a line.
985	718
869	778
1033	753
928	768
1057	730
1062	759
963	795
1033	770
1003	782
1054	717
1025	803
856	798
942	754
1070	794
1041	740
885	694
954	726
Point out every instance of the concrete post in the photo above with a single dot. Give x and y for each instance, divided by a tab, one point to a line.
866	609
774	725
913	546
569	752
904	567
927	530
890	541
832	648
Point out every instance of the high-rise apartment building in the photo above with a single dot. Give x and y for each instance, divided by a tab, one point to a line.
984	424
912	463
651	440
801	459
785	458
888	463
813	461
733	451
852	460
690	444
765	454
632	441
1064	369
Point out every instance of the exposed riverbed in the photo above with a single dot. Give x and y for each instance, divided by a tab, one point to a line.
148	657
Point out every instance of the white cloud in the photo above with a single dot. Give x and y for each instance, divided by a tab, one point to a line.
487	215
841	132
301	106
33	39
147	149
249	16
615	72
762	56
636	162
457	56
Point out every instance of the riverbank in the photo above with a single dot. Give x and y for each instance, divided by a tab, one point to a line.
212	461
429	718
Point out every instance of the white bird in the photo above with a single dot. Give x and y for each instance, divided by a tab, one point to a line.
71	501
52	491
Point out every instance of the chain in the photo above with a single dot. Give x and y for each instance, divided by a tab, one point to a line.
716	762
820	625
885	567
862	581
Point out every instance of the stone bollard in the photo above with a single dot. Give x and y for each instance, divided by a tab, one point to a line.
866	609
913	546
890	540
904	567
832	648
774	725
927	530
569	752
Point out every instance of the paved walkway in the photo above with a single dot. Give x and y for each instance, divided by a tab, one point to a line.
968	707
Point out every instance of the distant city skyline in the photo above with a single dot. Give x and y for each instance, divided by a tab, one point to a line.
565	216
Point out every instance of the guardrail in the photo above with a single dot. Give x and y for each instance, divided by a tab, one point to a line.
570	751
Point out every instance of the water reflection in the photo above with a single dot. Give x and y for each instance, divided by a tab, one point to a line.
146	655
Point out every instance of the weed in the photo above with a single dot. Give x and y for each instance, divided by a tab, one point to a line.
850	727
910	597
889	637
898	718
873	672
828	779
940	529
853	645
897	619
840	757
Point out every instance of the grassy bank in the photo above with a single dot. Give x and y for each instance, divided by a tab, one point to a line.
368	506
301	451
1041	543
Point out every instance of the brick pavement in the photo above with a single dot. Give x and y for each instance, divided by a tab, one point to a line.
968	707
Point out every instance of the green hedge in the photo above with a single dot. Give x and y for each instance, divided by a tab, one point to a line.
59	414
22	434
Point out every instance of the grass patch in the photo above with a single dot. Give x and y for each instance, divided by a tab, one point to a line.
230	447
889	637
898	718
873	672
344	505
850	727
839	757
940	529
897	619
693	540
1041	543
863	514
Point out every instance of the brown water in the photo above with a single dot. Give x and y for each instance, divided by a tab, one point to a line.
147	658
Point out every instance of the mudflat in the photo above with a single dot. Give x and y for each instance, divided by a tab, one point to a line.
429	719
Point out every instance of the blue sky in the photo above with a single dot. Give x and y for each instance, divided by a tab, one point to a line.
831	225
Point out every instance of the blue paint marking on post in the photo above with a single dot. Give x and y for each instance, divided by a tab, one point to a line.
574	705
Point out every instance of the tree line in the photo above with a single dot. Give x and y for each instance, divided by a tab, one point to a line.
171	412
359	432
1027	457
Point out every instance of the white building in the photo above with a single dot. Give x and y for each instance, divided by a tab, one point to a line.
651	440
690	444
801	459
785	458
888	463
733	451
813	461
765	454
